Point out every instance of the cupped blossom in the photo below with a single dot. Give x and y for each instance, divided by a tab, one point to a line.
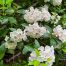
60	33
56	2
46	0
63	36
55	18
45	14
34	14
17	35
10	45
35	31
46	54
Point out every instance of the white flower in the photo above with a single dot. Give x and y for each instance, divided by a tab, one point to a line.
63	36
32	15
45	14
35	31
57	2
46	0
41	48
18	35
58	31
55	18
6	38
10	45
32	56
58	17
46	54
46	7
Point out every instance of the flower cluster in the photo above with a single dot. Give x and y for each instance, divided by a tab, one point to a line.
57	2
55	18
17	35
35	31
54	2
46	0
46	54
10	45
61	33
33	15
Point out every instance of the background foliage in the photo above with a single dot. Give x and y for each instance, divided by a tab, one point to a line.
11	16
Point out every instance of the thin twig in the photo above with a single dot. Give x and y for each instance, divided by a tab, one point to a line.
35	4
8	60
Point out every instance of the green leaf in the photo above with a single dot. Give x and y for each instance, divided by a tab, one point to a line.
64	50
36	63
30	63
16	64
64	47
9	11
20	45
36	44
48	28
9	1
11	51
5	2
43	64
12	20
3	32
2	51
46	35
12	29
3	20
27	49
37	52
2	64
2	2
53	42
20	11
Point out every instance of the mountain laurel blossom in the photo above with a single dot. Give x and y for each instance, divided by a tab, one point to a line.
56	2
46	54
45	14
10	45
63	36
55	17
17	35
35	31
34	15
60	33
57	31
46	0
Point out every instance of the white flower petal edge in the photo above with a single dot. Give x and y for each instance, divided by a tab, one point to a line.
35	31
60	33
17	35
46	54
34	14
56	2
46	0
10	45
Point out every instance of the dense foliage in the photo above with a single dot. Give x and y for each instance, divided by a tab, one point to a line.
32	32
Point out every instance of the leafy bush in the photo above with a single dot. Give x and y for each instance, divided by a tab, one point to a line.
32	32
